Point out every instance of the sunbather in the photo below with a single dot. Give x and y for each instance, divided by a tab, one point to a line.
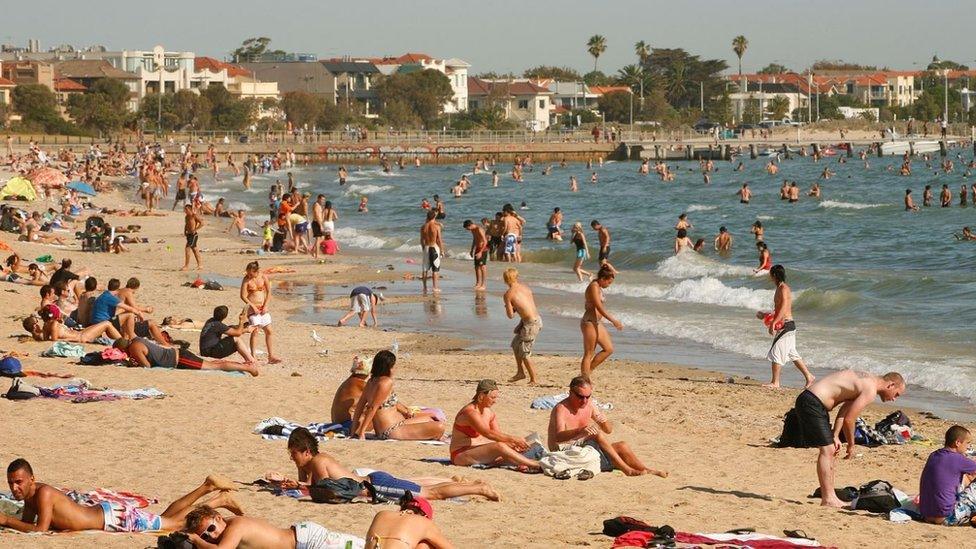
313	466
412	526
50	328
347	395
47	508
147	354
576	422
207	529
379	408
476	437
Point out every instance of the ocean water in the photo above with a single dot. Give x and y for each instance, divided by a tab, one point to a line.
876	288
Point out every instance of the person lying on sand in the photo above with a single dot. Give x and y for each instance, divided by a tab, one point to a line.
412	526
46	508
143	352
576	422
476	437
51	328
940	499
207	529
313	466
379	408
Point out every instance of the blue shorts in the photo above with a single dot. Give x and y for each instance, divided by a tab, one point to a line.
581	253
391	487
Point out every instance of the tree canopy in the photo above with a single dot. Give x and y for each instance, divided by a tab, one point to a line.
38	107
840	65
102	107
774	68
560	74
414	97
253	48
683	76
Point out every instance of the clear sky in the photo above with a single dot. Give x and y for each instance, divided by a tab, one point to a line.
511	35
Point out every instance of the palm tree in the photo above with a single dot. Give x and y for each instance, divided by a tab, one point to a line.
631	75
643	51
739	45
596	46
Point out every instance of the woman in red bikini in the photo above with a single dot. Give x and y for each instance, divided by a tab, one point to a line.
477	439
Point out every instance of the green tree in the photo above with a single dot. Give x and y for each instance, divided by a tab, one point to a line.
559	74
597	78
37	106
773	68
302	109
423	93
752	114
183	110
720	110
945	64
398	114
616	106
840	65
778	107
228	112
492	75
643	51
656	107
253	48
102	107
682	76
634	76
595	46
739	46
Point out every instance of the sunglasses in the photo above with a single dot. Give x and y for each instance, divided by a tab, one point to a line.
582	397
210	529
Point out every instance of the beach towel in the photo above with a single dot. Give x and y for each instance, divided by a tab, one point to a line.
753	541
571	461
9	506
276	428
276	487
82	391
95	497
550	402
65	350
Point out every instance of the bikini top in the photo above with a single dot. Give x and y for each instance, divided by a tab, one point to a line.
391	401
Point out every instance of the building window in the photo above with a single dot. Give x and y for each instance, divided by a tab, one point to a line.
523	104
473	104
542	104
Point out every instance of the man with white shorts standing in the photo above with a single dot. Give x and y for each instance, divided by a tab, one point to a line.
432	244
783	330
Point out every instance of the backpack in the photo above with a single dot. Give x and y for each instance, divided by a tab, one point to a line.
894	418
877	496
621	525
176	540
790	438
341	490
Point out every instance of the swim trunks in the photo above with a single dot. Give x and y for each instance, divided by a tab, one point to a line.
510	240
581	253
191	240
260	320
432	258
360	303
783	349
317	230
223	349
309	535
813	421
525	338
121	517
186	360
604	254
181	195
481	258
390	487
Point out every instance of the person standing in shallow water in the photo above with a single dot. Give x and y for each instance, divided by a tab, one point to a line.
783	330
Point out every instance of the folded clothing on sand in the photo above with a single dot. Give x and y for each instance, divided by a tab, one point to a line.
65	350
276	428
80	390
550	402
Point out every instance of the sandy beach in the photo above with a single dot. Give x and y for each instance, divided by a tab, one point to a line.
711	435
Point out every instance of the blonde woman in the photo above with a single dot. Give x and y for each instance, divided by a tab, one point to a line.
582	252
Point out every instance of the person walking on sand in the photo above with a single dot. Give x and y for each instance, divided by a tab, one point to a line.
432	244
192	224
591	325
256	293
783	330
852	391
519	300
479	253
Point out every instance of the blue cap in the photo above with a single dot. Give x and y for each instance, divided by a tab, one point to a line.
10	367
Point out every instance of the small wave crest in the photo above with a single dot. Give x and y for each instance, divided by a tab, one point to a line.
234	206
700	208
848	205
349	236
709	291
693	265
366	189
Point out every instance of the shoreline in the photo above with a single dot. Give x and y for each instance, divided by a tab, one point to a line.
711	435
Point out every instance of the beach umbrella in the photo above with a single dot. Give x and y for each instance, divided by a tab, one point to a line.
18	186
82	187
47	177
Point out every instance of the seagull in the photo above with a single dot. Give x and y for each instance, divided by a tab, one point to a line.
316	337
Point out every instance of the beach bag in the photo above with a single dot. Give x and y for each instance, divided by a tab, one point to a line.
895	418
619	526
342	490
791	436
21	391
176	540
877	496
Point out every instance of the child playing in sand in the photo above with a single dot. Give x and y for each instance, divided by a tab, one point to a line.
268	236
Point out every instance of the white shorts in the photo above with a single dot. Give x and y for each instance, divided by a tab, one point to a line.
260	320
432	258
360	303
309	535
328	226
784	349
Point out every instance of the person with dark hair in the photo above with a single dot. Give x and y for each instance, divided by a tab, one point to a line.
941	501
479	253
379	408
577	422
46	508
82	314
783	329
723	242
206	528
192	224
682	242
256	293
477	439
362	300
218	340
852	391
765	258
51	327
603	234
591	325
909	202
412	526
147	354
432	246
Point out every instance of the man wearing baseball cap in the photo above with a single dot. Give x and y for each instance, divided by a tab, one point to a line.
412	525
348	393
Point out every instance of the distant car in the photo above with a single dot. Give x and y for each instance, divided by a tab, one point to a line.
704	126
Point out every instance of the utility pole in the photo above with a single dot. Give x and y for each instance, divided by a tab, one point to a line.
701	94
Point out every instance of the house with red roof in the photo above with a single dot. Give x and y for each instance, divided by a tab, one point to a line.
522	101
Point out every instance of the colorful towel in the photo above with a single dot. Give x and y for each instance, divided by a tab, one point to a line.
550	402
64	349
83	392
276	488
753	541
94	497
276	428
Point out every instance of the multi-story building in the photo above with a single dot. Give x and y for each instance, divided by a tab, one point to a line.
28	72
522	101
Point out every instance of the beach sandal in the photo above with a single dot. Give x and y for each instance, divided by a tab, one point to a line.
562	475
585	474
797	534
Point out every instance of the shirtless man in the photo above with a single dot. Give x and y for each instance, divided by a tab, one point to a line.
852	391
239	222
410	527
256	293
553	226
783	329
192	224
909	203
479	252
945	197
180	191
314	466
46	508
208	529
576	422
511	233
432	244
519	299
927	196
318	220
52	329
744	194
723	242
603	234
794	193
347	395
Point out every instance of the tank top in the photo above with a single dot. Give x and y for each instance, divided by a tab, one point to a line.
159	356
578	240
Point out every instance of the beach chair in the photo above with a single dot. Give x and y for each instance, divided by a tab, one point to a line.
97	236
